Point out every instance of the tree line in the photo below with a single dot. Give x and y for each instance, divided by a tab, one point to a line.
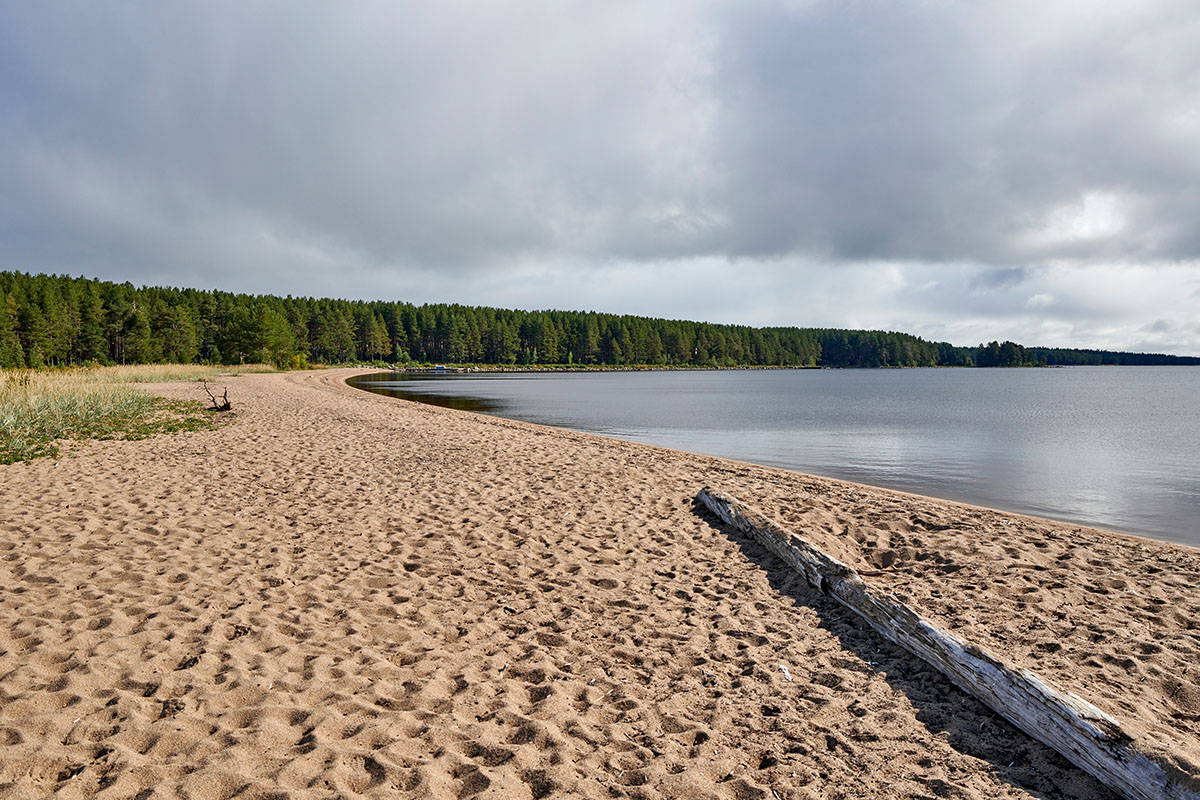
60	320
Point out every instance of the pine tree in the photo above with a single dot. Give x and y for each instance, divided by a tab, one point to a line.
274	338
473	344
58	328
335	336
381	341
175	330
544	339
141	347
31	327
12	355
589	344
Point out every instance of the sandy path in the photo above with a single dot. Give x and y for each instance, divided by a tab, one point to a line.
344	595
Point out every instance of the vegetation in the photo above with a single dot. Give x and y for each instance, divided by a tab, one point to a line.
163	373
58	320
39	408
1062	357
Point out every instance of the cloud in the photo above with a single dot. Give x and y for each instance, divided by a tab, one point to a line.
998	278
1000	133
1040	300
925	166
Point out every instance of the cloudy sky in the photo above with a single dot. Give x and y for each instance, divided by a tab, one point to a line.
961	170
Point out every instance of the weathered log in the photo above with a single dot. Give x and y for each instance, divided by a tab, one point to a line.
1082	733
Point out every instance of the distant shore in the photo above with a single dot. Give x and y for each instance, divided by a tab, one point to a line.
485	368
472	368
342	593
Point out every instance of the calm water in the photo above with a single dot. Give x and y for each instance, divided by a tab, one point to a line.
1117	448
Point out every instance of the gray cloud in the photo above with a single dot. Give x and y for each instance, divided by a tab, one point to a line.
963	171
996	133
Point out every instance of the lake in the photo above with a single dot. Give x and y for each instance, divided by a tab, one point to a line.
1111	447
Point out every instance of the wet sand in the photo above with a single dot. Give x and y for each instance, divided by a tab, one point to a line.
344	595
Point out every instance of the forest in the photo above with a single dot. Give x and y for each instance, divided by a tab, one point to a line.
57	320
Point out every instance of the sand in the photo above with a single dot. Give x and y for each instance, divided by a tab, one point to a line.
345	595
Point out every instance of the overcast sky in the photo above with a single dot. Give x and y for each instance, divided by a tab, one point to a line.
961	170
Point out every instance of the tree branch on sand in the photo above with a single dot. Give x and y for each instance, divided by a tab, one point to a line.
219	405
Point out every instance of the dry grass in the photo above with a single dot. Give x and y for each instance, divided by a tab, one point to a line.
160	373
40	408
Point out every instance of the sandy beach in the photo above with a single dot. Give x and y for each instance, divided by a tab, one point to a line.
339	594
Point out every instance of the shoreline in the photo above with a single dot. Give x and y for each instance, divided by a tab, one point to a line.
517	368
576	368
345	593
447	401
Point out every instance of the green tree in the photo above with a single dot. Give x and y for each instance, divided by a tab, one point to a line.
175	330
90	344
379	342
588	349
500	344
59	332
141	346
544	339
31	328
260	333
12	355
276	339
335	336
988	355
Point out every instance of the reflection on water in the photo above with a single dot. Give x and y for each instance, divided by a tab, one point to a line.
396	389
1110	447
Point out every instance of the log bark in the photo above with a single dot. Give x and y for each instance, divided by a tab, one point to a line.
1083	734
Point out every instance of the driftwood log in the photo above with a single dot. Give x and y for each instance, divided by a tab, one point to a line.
219	405
1083	734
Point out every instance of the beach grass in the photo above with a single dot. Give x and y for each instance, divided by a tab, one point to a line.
160	373
41	408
